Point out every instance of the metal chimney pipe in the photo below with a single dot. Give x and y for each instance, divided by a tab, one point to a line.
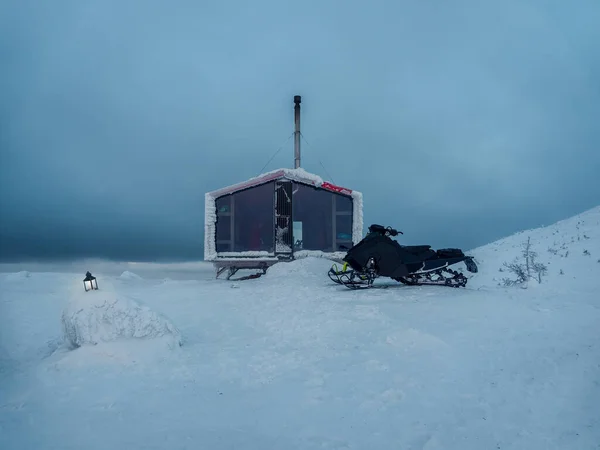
297	100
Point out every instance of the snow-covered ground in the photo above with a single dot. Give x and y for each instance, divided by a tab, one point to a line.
292	361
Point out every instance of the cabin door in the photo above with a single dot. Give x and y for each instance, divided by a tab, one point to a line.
283	218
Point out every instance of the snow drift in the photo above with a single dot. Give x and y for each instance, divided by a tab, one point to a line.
127	275
18	276
100	316
301	269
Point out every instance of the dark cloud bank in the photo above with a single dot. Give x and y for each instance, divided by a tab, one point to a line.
461	122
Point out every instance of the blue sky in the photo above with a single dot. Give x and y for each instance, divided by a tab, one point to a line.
461	122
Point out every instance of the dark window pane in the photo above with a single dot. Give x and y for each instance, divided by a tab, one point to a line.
223	204
253	219
223	228
314	209
343	203
223	246
343	227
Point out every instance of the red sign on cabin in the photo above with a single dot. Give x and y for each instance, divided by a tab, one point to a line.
333	187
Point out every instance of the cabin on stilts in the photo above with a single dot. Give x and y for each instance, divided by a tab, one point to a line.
280	216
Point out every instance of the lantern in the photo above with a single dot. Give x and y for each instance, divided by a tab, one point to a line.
89	282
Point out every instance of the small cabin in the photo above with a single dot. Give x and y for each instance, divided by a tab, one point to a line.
280	216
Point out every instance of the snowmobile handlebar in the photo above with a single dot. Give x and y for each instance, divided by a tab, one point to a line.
385	231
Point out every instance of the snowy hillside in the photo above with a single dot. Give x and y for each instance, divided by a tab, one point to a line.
570	249
292	361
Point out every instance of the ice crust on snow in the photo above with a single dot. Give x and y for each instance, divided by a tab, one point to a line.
299	175
248	254
94	317
336	256
357	217
210	227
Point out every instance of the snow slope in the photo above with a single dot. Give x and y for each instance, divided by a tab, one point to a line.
291	361
570	249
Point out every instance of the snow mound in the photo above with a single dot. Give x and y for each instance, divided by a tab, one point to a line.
96	317
18	276
301	268
127	275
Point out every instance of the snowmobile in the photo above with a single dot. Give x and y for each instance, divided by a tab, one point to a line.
378	255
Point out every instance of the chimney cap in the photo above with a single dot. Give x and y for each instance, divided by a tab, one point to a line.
297	99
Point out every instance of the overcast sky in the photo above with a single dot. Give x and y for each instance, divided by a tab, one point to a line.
461	122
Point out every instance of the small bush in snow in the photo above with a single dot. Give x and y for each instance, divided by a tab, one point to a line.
539	269
587	253
525	269
518	270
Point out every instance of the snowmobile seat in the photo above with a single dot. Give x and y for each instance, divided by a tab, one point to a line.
416	249
450	253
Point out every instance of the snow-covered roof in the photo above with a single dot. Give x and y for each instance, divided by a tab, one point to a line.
300	175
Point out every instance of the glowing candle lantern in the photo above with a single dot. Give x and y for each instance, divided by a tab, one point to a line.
89	282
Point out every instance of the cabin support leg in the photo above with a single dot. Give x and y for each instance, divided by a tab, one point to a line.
232	271
220	270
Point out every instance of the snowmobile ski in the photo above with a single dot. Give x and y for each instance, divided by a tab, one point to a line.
377	255
351	278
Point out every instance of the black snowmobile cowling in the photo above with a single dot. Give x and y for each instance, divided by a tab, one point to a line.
378	255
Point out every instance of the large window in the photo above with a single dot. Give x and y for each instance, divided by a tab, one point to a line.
322	219
343	222
245	220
